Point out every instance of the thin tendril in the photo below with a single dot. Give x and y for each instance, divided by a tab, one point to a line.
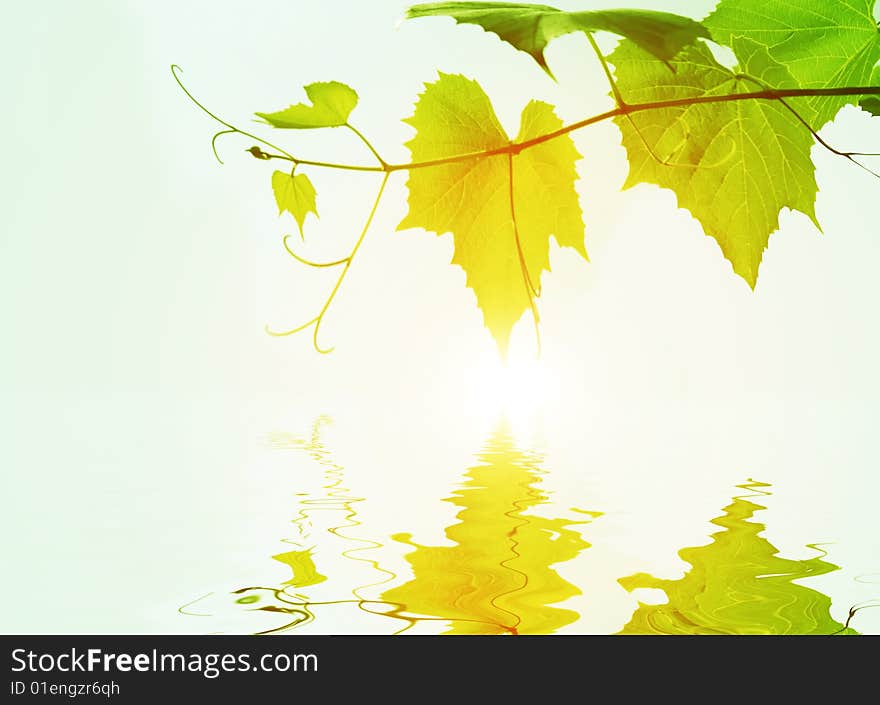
309	262
347	266
182	609
667	161
214	142
281	334
846	155
531	291
232	128
316	321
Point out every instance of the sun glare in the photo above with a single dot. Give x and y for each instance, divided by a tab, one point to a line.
517	389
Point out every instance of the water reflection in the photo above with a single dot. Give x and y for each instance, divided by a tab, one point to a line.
326	527
738	584
498	577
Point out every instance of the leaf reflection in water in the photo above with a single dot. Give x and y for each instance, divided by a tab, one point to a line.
738	584
498	577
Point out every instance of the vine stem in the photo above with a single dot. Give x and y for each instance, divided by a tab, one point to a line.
511	150
625	109
230	129
767	94
316	321
517	147
367	142
850	156
618	98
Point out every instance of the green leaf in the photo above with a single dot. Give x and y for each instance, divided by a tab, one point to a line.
332	103
871	103
294	194
823	43
530	28
473	198
734	165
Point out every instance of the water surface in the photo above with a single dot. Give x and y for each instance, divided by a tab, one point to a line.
513	561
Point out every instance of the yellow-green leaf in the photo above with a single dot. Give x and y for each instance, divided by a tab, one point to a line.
474	198
332	103
295	194
823	43
734	165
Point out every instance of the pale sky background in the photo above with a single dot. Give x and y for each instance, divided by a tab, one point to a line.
138	383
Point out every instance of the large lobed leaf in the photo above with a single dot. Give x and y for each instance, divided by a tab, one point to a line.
734	165
822	43
530	28
471	198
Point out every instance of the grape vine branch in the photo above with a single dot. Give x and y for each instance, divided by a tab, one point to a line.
490	272
517	147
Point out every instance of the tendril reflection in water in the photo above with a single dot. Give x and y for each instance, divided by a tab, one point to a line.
289	600
738	584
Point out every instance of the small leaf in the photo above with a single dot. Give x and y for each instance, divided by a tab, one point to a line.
530	28
332	103
734	165
472	198
294	194
823	43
